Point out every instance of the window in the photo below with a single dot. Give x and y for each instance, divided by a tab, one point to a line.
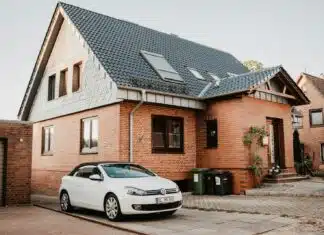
47	140
126	171
322	152
76	81
216	78
212	138
51	87
89	129
62	88
196	73
85	171
161	66
167	134
316	117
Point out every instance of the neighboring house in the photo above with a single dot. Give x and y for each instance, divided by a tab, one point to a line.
310	121
15	162
107	89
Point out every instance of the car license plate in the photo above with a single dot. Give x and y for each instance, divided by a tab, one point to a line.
163	200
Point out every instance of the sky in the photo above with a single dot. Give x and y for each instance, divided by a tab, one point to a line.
273	32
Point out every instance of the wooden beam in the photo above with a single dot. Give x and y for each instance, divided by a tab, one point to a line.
284	89
277	93
270	88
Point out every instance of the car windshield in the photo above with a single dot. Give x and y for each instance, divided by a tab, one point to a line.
126	171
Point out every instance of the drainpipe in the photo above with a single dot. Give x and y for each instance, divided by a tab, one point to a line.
131	117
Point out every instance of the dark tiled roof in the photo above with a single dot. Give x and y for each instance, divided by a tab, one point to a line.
117	45
242	82
317	82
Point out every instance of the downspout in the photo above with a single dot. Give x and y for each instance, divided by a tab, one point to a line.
131	117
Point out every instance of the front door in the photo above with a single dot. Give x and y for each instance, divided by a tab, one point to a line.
276	151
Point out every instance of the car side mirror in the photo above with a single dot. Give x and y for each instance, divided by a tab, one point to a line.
95	177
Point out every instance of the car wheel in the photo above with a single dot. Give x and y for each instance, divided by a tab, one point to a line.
112	208
168	213
65	202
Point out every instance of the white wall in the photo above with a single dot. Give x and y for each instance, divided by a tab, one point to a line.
97	88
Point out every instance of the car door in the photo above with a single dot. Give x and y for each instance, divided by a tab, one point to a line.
81	185
96	191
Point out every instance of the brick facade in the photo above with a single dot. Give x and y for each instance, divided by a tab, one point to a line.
311	137
48	170
18	138
234	117
113	144
172	166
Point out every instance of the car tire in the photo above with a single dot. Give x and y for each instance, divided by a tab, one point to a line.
65	202
112	208
168	213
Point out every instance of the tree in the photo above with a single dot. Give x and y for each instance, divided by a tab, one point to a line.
253	65
297	152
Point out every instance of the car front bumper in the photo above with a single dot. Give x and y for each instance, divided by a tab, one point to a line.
130	204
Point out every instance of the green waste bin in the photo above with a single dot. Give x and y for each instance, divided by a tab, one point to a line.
198	180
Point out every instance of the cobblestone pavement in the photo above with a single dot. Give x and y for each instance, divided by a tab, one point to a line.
311	207
312	187
192	222
35	221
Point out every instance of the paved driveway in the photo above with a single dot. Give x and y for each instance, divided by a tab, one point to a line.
191	222
310	207
36	221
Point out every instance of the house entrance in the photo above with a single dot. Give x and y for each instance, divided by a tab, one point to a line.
276	150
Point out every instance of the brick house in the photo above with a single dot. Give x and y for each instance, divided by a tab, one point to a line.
107	89
309	119
15	162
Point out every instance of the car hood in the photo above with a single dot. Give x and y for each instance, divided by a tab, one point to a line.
146	183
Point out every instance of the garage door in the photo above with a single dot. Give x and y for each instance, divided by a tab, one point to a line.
1	171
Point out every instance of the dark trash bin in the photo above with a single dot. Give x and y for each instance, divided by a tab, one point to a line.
198	180
218	182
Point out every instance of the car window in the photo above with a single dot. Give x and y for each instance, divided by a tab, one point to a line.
96	171
126	171
84	171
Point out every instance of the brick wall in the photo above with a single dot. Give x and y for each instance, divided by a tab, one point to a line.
19	146
312	137
172	166
234	117
47	171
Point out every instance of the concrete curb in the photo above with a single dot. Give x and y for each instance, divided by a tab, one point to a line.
281	194
92	220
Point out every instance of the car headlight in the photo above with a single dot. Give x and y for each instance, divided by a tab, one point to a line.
135	191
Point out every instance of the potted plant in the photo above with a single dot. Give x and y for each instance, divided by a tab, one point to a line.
274	170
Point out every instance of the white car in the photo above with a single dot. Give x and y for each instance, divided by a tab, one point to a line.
118	189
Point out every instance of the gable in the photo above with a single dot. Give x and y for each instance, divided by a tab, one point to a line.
280	89
311	88
96	88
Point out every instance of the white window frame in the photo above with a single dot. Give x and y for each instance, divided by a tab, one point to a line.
162	72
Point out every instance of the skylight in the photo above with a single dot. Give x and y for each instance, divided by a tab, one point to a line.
196	73
216	78
161	66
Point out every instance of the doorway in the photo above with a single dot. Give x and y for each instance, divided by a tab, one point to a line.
276	148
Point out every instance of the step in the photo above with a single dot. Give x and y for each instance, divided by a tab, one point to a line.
285	180
287	175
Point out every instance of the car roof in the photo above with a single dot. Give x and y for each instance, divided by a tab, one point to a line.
96	164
